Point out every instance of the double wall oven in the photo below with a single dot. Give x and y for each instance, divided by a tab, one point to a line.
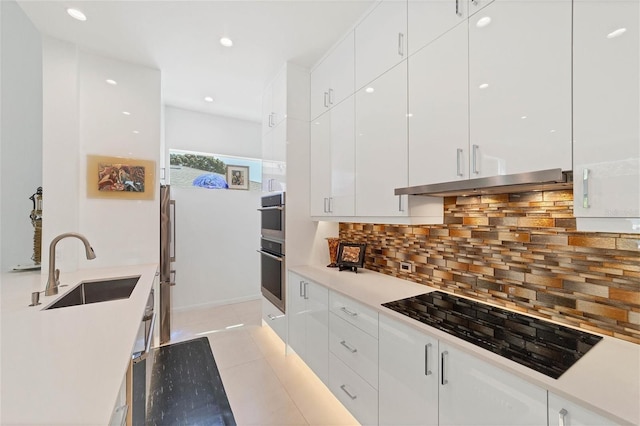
272	260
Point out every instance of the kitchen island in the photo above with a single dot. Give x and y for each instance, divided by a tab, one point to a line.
66	365
606	380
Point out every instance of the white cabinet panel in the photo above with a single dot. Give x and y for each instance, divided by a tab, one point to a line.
439	110
332	168
520	87
381	40
565	413
308	317
408	375
357	349
332	81
477	5
489	395
607	110
429	19
360	398
381	144
363	317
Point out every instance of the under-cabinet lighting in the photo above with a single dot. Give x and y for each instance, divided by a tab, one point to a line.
76	14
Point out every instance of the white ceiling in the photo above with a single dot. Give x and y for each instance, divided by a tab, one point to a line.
181	38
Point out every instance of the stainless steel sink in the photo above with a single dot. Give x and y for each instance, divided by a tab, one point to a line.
97	291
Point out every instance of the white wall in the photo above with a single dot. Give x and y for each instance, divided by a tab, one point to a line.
83	115
217	231
21	132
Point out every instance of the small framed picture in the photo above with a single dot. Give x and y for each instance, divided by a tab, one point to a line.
351	256
238	177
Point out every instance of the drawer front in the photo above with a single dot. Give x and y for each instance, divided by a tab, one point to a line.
357	349
356	313
353	392
275	319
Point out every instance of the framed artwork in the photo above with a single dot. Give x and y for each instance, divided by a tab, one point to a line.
120	178
238	177
351	256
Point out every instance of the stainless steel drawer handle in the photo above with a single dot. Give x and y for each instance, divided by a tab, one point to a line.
585	189
561	417
279	259
301	288
427	349
344	389
474	151
459	162
348	312
443	357
349	348
272	317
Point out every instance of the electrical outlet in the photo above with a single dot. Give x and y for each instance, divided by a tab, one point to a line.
406	266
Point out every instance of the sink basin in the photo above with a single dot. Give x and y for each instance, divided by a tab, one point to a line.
97	291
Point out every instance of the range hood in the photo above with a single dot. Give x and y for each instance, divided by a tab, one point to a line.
543	180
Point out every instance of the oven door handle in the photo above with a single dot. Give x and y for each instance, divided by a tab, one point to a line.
139	356
279	259
271	208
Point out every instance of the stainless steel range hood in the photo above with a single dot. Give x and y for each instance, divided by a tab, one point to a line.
521	182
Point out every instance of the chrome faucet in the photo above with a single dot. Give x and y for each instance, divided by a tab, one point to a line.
54	274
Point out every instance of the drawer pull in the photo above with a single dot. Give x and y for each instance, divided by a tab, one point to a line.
427	370
272	317
443	357
344	389
561	417
346	345
348	312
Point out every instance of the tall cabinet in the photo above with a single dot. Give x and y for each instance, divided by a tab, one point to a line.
284	100
606	115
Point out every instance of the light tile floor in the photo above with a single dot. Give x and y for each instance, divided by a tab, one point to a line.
264	386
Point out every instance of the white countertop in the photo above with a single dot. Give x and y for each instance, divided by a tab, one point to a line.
66	366
606	380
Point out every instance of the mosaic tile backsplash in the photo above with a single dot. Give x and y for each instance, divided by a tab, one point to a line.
521	251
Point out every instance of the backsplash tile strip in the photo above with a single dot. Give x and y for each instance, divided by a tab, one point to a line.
521	251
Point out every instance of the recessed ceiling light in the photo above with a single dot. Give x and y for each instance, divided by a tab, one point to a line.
524	117
483	22
136	132
483	85
369	90
76	14
208	99
111	82
126	112
226	42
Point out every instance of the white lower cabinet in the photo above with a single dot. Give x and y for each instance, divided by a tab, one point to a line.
408	375
274	318
308	307
566	413
358	350
488	395
358	396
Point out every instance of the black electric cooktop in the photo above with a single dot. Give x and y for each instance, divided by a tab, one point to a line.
543	346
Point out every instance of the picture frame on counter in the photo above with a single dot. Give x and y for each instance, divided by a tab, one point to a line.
351	256
238	177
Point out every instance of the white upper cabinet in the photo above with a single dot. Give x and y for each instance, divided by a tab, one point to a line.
332	168
565	413
380	40
381	144
606	67
439	110
429	19
490	396
332	80
477	5
520	87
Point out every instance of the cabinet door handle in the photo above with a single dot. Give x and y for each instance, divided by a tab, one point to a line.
326	99
348	312
585	189
350	348
400	208
400	44
443	357
306	292
301	288
474	2
326	210
330	204
427	349
330	96
459	162
458	8
344	389
476	169
561	416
